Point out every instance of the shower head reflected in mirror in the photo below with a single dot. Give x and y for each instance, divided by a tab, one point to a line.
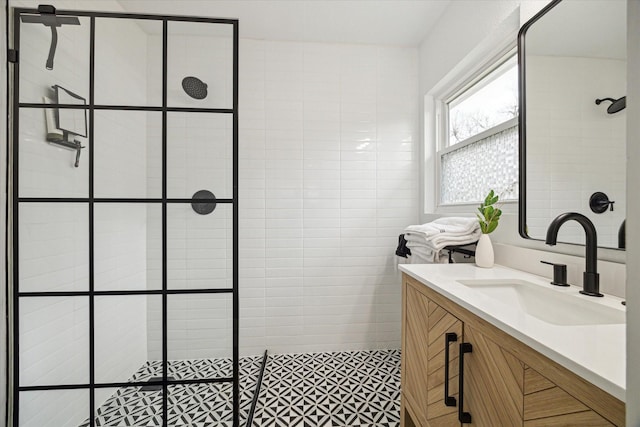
194	87
49	19
616	104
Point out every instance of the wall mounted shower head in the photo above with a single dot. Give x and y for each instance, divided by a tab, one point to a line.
616	104
194	87
49	19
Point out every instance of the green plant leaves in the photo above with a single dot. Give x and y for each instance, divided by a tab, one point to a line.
489	215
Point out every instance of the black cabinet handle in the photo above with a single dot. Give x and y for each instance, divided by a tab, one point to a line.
463	417
448	339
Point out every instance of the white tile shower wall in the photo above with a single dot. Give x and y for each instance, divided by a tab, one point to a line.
328	179
57	330
573	120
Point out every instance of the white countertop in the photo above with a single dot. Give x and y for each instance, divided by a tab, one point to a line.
596	353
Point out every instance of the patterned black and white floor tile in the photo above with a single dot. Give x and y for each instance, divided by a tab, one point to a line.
340	389
197	405
360	388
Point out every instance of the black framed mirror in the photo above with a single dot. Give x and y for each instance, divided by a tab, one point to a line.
572	122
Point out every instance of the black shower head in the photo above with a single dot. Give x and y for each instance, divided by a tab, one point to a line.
49	19
194	87
616	104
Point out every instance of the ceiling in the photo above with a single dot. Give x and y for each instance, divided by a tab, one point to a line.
581	28
385	22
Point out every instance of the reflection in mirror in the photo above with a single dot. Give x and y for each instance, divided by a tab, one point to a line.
572	122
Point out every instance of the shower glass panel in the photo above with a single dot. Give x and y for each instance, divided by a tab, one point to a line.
205	52
47	169
127	246
125	220
53	408
199	248
131	404
70	60
54	341
124	333
127	154
199	154
54	238
200	328
138	73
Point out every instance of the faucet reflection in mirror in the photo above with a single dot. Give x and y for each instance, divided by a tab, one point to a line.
591	278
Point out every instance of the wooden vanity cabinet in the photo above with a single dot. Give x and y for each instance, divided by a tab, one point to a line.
414	352
505	383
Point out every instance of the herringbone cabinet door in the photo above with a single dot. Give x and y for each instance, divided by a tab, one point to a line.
415	352
493	383
547	405
442	322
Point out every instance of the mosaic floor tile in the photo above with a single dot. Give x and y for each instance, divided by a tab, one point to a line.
354	389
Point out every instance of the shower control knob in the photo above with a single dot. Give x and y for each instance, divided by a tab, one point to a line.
599	202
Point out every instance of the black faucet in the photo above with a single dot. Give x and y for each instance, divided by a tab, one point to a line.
622	238
591	278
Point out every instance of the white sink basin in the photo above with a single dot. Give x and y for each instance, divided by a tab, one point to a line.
548	305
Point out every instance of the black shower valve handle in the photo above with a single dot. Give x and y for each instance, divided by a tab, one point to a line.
606	204
599	202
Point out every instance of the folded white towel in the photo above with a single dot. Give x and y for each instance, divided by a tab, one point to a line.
455	226
441	241
423	255
424	231
443	232
464	222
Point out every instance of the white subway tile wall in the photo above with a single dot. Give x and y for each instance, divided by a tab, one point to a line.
579	148
328	179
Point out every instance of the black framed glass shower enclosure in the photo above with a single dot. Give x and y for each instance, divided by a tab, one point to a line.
124	216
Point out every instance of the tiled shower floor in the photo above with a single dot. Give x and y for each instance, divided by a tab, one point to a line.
359	388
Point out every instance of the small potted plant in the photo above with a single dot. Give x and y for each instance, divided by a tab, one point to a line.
488	218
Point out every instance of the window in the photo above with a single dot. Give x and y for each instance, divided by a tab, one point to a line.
479	149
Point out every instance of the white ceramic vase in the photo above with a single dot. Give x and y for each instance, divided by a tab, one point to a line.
484	252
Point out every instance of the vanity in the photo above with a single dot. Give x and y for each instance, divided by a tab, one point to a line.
501	347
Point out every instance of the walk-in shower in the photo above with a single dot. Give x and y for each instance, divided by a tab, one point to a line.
124	261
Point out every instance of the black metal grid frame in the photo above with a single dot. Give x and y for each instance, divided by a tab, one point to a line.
91	200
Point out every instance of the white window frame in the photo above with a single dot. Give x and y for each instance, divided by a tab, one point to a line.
442	146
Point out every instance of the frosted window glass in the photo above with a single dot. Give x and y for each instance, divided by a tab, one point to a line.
467	174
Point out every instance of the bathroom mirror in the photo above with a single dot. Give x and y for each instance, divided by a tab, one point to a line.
572	146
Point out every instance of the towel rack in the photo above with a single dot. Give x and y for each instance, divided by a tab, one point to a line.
461	249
